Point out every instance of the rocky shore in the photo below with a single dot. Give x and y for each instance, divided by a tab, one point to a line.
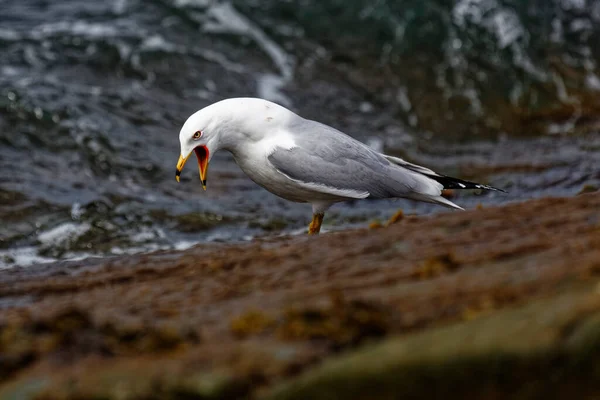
491	303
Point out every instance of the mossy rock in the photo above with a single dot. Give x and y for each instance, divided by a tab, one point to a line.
272	225
190	222
547	349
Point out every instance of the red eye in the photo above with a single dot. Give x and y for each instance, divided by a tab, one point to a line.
197	134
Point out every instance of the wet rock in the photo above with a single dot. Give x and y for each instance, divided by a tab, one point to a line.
487	302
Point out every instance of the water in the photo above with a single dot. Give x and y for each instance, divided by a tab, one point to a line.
92	96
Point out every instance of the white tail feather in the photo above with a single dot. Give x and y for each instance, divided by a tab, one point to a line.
435	200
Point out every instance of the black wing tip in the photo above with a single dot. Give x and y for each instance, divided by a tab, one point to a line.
495	189
454	183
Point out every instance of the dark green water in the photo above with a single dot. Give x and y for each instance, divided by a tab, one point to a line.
93	94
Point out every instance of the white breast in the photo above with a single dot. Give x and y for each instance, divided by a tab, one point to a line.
282	140
253	160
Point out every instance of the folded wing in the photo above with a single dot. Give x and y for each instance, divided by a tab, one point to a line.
329	161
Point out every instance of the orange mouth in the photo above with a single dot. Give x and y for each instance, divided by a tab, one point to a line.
202	156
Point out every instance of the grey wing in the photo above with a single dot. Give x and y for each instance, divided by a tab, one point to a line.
332	162
413	167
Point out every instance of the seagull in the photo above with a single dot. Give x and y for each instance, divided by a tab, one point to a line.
305	161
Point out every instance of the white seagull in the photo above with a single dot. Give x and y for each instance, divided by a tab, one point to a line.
303	160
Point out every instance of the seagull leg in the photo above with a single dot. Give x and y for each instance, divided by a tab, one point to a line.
315	225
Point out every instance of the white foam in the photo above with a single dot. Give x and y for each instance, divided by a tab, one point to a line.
269	86
402	98
580	24
9	71
139	249
77	28
471	10
144	235
592	81
157	42
9	35
365	107
77	211
220	59
194	3
226	19
185	244
506	26
62	233
503	22
24	256
558	129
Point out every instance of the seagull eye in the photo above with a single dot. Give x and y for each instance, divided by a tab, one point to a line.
197	135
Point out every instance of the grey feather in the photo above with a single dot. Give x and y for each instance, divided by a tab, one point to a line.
413	167
325	156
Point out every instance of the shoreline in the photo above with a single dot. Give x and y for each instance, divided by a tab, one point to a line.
289	317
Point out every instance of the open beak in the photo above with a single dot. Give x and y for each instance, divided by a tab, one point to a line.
202	156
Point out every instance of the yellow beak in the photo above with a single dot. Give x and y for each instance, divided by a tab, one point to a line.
180	165
202	155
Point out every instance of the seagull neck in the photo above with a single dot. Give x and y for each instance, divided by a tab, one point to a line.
233	140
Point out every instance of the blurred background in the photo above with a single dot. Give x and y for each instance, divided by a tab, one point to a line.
93	94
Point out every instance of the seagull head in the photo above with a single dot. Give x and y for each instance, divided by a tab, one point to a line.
230	124
199	135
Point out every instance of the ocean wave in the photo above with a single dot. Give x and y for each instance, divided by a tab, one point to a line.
92	95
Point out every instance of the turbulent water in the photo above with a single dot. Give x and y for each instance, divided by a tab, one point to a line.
92	96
